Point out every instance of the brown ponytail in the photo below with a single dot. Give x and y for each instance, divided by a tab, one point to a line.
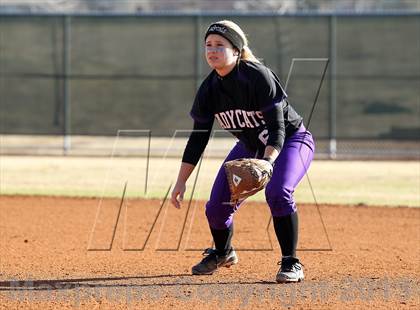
247	54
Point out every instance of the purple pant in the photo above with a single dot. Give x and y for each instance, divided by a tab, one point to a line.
290	166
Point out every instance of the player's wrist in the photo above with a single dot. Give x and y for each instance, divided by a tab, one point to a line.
270	160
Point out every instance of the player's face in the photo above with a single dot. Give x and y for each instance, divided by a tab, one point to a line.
220	54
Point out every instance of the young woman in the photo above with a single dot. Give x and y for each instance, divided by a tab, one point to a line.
246	98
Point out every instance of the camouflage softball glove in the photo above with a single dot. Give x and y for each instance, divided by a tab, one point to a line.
247	176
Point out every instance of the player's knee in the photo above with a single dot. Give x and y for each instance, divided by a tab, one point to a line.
278	197
217	218
280	201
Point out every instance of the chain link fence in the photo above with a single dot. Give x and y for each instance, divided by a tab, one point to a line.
90	75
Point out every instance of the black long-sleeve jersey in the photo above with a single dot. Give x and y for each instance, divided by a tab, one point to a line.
249	102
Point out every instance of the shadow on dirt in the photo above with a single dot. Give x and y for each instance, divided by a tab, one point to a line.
66	284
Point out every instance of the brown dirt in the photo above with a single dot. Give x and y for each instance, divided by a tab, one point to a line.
48	262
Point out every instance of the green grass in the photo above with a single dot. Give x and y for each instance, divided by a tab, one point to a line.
389	183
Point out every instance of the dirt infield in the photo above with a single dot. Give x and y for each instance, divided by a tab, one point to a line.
65	253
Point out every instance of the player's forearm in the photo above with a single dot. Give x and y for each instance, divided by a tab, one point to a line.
185	172
270	153
197	142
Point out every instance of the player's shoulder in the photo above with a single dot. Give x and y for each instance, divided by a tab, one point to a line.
257	71
252	66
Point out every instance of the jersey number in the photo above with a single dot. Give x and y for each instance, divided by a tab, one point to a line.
263	136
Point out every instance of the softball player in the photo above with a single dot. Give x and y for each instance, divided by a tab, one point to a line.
246	98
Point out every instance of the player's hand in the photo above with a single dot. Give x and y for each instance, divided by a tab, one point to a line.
178	194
